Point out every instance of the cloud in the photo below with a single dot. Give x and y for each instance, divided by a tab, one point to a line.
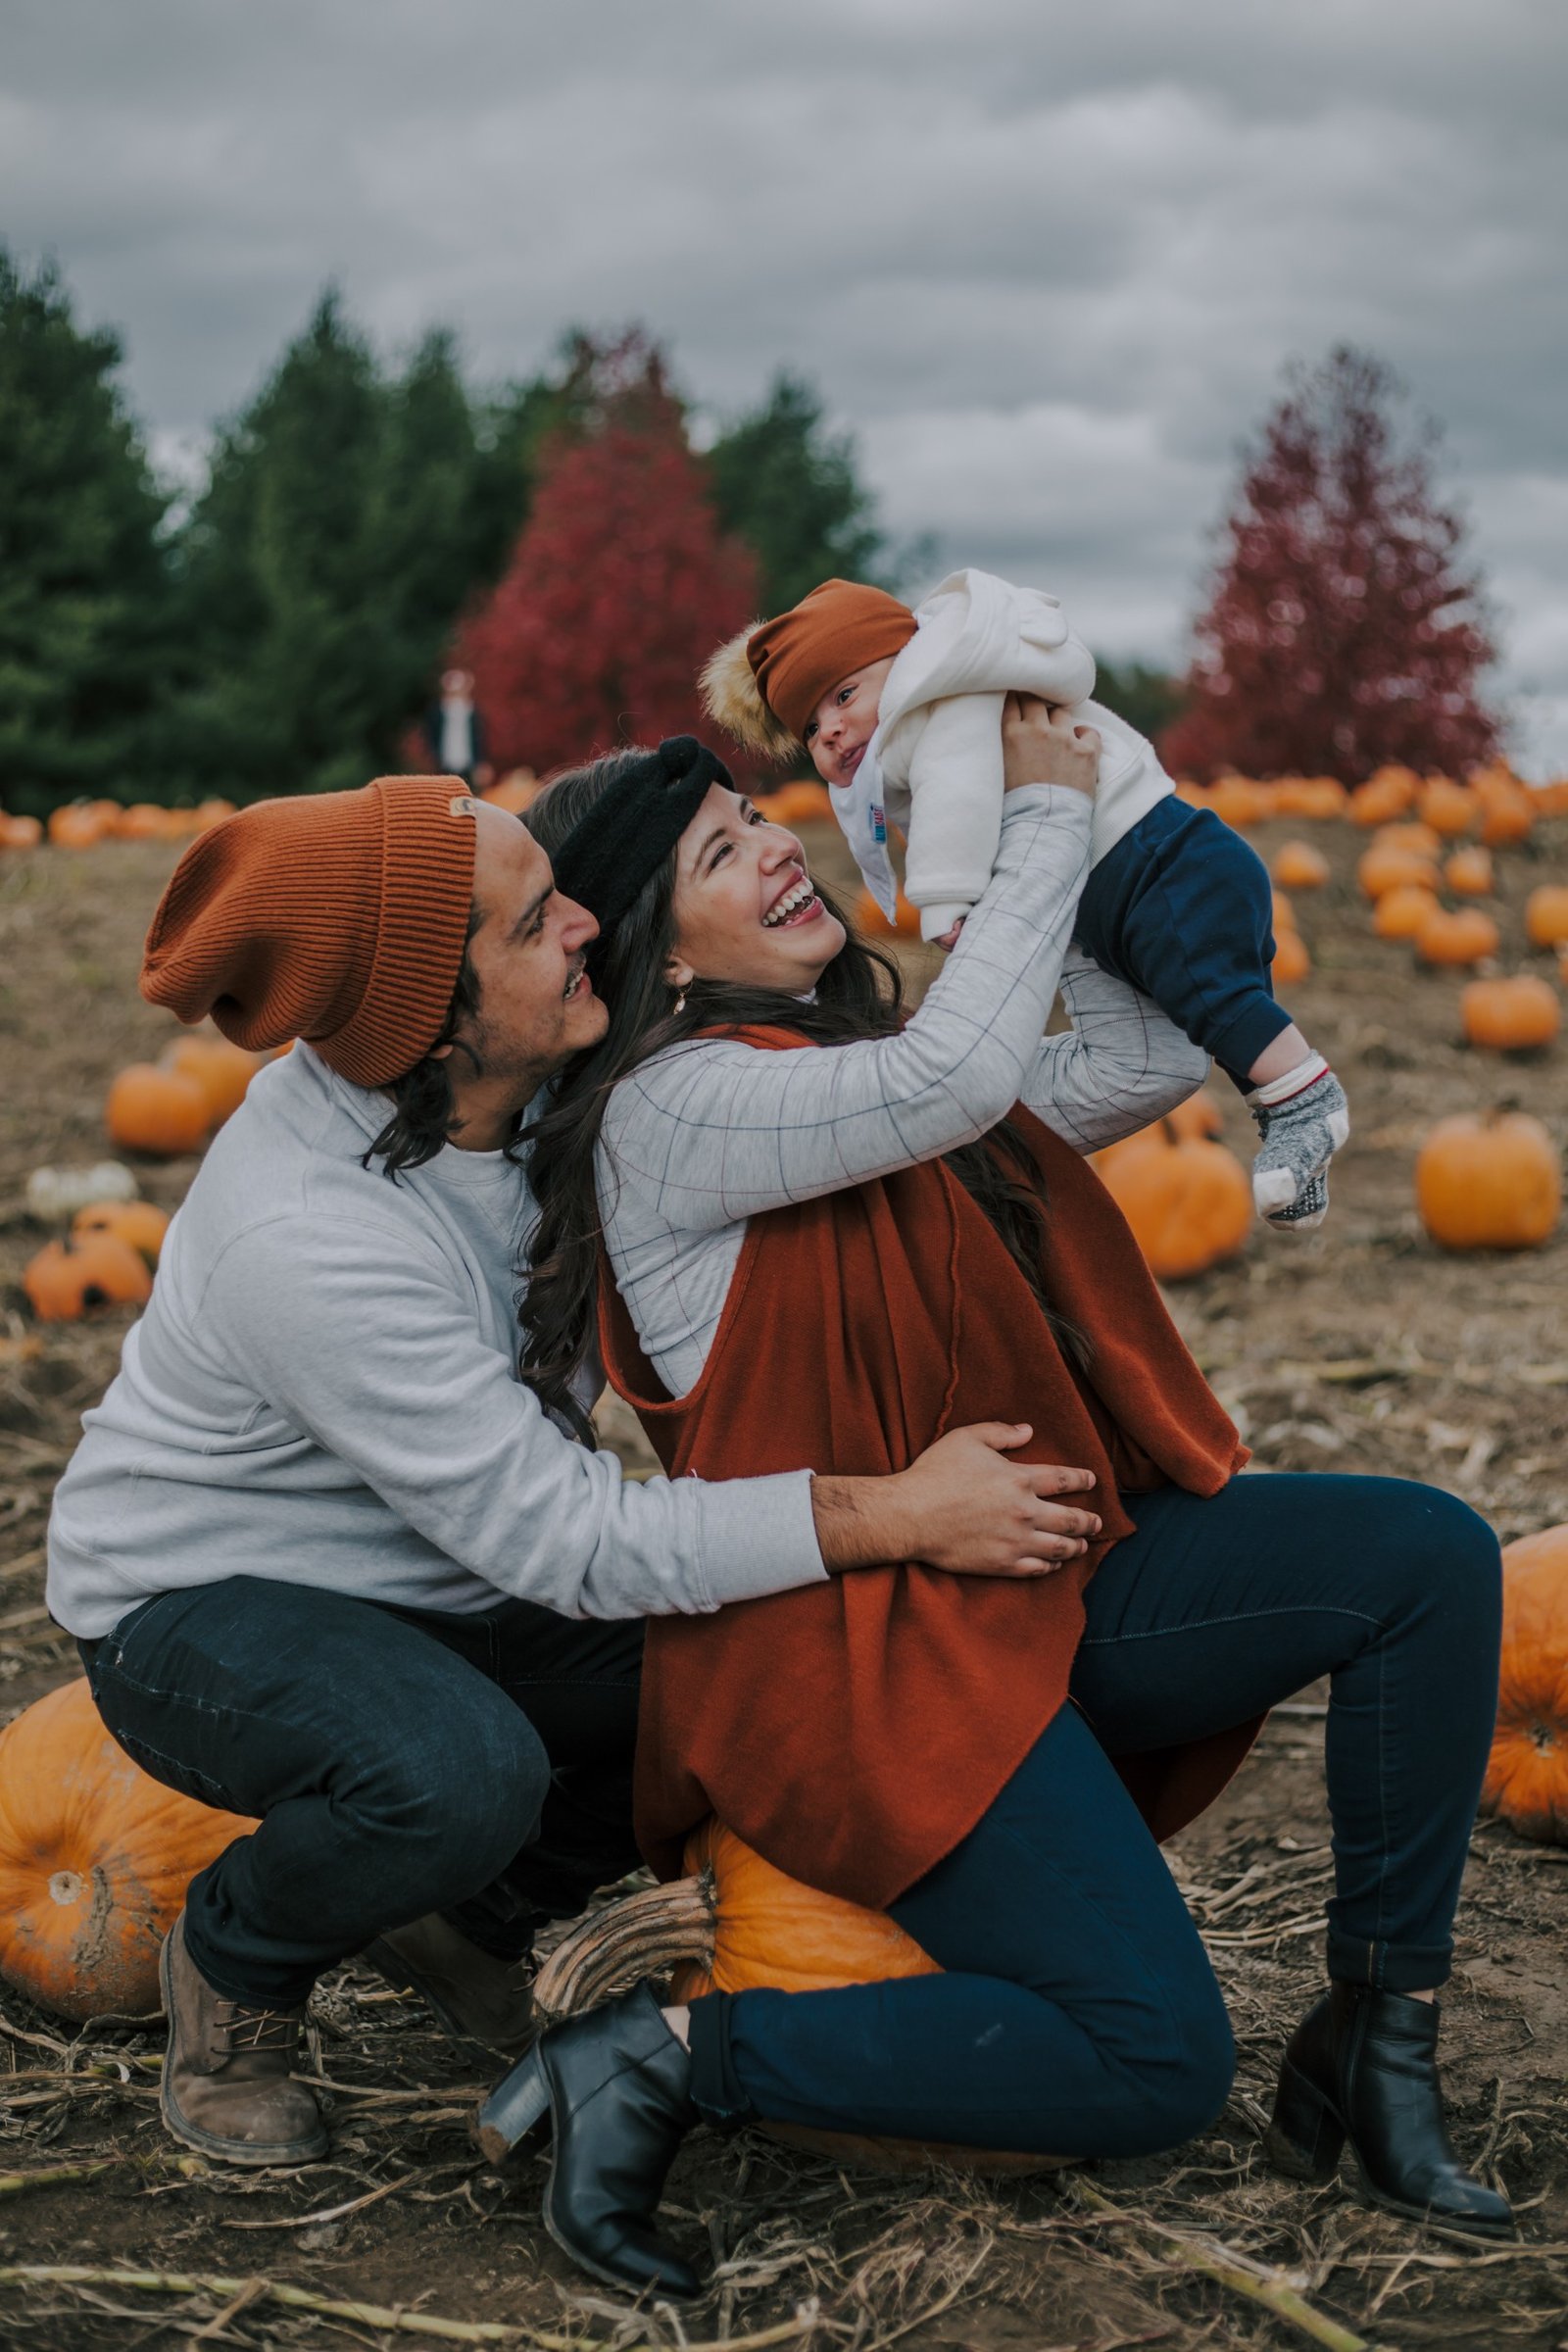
1047	265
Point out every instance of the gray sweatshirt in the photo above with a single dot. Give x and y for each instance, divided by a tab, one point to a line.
322	1390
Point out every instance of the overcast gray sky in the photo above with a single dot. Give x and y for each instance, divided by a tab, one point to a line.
1046	263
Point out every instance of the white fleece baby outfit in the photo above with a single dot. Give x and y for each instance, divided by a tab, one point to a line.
934	765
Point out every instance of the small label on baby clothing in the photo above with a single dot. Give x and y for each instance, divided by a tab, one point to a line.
879	822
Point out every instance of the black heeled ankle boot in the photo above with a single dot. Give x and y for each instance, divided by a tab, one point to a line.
616	2088
1362	2067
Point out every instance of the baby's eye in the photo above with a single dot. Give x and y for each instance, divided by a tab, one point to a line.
846	694
810	729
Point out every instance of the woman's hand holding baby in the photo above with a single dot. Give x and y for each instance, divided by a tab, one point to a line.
1043	744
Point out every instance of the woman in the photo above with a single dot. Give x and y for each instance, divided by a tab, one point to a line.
819	1257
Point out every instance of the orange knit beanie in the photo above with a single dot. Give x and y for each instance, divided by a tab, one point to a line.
842	626
337	916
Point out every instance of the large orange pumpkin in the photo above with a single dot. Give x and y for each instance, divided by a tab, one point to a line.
1197	1117
94	1861
1187	1199
770	1929
1383	797
1546	916
68	1280
1465	936
77	825
1417	838
1511	1015
1527	1773
1507	815
1488	1183
19	832
163	1112
221	1069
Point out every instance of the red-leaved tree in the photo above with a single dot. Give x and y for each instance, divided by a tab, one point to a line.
619	587
1344	631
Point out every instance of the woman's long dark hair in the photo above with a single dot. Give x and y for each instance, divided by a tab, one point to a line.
860	995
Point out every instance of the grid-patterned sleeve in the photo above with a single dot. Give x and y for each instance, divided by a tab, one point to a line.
1122	1063
712	1133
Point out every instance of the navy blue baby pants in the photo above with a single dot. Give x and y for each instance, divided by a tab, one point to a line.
1183	908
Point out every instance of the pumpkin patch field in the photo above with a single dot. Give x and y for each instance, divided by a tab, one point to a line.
1422	1333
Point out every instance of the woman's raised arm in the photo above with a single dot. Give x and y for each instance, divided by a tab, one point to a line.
1122	1064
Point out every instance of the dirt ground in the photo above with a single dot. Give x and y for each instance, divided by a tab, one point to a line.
1359	1348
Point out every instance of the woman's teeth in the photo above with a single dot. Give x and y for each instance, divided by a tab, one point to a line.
789	903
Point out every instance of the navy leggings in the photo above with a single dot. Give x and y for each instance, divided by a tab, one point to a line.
1078	2014
1182	907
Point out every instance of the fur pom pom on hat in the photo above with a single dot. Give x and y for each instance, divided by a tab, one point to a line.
763	685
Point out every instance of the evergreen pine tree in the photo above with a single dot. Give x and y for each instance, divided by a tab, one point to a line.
348	517
789	490
83	588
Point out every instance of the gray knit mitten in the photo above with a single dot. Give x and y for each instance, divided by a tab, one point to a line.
1302	1118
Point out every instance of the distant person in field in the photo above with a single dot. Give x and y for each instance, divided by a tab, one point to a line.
900	711
455	732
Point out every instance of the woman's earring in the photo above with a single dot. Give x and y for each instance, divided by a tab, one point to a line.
679	1006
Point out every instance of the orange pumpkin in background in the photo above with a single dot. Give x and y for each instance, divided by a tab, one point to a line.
1237	800
870	922
1507	815
802	802
161	1113
143	820
19	832
1546	916
1297	866
1198	1118
1446	807
77	826
1383	795
1387	866
1466	936
1284	911
1527	1772
1511	1015
1488	1183
95	1858
221	1071
1404	913
1418	839
1291	960
1187	1199
1469	872
68	1280
137	1223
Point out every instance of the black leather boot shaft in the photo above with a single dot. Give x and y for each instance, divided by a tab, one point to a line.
616	2084
1362	2067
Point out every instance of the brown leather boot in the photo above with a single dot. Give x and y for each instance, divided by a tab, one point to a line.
473	1996
226	2087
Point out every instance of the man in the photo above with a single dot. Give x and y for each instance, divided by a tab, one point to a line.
327	1562
455	731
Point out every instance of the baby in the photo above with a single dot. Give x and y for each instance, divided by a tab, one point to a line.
901	713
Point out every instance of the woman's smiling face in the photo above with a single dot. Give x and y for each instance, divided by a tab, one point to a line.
744	907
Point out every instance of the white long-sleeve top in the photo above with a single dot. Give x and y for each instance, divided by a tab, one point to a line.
323	1388
715	1131
934	765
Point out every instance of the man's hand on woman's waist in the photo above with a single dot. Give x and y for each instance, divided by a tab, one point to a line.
961	1505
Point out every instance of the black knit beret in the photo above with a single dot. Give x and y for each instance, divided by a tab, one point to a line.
631	828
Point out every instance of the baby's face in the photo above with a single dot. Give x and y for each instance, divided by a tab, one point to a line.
845	721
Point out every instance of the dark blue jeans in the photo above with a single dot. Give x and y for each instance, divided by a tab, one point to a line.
403	1761
1077	2014
1183	908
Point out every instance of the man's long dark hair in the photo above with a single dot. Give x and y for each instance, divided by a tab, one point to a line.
860	995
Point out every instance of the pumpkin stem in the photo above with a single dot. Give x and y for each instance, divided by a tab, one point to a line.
642	1935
